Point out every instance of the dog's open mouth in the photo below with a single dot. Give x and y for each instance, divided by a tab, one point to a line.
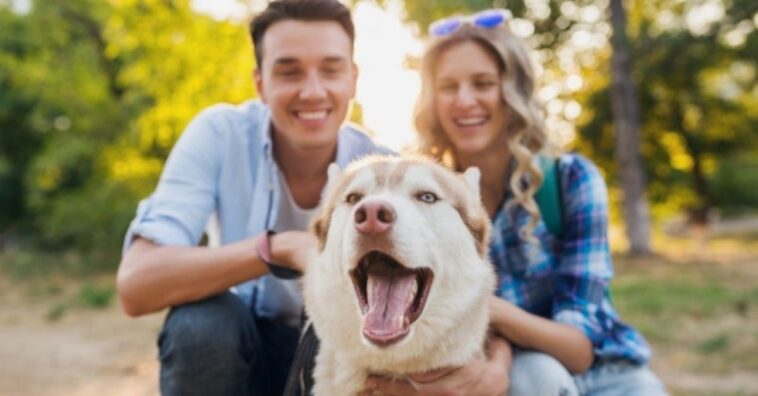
391	296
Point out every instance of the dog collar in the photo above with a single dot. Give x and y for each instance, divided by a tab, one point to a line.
264	254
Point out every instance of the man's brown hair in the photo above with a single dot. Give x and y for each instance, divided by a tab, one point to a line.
300	10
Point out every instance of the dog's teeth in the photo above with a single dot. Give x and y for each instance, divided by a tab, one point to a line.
412	294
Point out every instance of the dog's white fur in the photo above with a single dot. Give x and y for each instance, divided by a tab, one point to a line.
449	236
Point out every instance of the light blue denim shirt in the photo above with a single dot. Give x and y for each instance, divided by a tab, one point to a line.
223	163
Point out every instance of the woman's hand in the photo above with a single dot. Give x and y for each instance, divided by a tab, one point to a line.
564	342
481	377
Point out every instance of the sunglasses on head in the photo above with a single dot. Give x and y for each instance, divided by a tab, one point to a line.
487	19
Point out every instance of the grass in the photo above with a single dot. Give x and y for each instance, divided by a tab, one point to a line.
699	316
26	264
95	296
65	282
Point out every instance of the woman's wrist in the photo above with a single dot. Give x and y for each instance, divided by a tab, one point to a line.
501	311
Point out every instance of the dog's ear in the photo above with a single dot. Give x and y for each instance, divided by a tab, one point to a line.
333	173
320	224
477	220
320	228
472	176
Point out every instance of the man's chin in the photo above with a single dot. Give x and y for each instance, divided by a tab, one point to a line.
316	141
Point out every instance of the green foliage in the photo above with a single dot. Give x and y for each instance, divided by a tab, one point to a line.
735	182
94	296
699	104
92	96
37	264
714	344
89	296
18	140
56	312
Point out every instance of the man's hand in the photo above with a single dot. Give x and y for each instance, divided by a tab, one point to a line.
293	249
478	378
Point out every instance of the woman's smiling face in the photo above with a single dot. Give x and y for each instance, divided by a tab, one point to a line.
468	100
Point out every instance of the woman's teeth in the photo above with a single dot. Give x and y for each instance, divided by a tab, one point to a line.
470	121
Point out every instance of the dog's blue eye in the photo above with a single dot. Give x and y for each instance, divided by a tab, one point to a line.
427	197
353	198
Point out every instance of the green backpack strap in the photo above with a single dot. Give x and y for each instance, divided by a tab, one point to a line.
548	196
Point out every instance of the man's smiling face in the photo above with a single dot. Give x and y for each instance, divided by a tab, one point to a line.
307	78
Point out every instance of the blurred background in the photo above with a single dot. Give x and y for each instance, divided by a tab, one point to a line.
661	94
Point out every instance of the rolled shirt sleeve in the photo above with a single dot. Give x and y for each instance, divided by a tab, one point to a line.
178	210
584	269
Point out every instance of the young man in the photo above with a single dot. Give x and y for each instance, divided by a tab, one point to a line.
260	167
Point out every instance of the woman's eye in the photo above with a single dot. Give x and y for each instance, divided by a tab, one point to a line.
353	198
484	84
427	197
447	88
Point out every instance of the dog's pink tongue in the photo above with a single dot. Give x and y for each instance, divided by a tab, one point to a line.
389	296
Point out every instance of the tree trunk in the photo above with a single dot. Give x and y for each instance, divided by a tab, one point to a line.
626	122
698	214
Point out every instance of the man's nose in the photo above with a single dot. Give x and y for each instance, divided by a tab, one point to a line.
313	88
374	217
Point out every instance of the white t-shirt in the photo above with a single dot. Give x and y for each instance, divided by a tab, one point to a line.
290	217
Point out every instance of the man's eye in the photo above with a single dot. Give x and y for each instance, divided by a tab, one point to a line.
427	197
353	198
288	73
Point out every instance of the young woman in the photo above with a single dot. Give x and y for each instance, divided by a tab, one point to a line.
559	333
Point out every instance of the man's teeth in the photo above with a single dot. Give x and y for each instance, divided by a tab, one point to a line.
468	121
312	115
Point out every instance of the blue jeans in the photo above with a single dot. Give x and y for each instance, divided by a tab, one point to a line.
535	373
217	347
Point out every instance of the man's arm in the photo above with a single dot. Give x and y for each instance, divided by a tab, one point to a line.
152	277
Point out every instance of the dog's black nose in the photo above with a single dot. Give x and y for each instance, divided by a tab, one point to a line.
374	217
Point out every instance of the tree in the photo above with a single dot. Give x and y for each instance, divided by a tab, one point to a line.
697	85
626	121
97	93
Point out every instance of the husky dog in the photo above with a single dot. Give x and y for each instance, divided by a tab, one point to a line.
401	279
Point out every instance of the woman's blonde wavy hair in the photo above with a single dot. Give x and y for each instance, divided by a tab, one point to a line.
525	133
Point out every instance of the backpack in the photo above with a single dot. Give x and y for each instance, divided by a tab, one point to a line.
549	198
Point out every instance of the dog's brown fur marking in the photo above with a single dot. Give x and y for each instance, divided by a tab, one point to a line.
476	220
320	225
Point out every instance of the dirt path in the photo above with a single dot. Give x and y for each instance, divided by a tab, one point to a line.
85	353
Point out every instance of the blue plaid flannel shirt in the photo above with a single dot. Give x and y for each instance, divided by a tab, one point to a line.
567	280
